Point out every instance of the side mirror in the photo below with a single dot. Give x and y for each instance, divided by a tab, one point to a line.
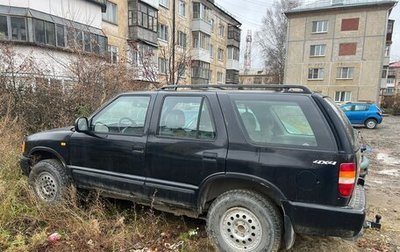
82	125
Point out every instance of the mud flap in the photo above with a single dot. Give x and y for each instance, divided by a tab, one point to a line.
289	235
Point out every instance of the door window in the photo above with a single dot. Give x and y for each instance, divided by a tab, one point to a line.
275	122
126	115
186	117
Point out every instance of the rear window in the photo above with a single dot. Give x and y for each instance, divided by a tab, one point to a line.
349	129
287	123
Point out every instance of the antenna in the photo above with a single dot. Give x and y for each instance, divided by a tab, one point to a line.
247	53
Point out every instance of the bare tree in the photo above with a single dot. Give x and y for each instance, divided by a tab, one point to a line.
272	37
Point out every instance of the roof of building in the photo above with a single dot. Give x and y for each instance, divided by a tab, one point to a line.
338	4
395	64
226	13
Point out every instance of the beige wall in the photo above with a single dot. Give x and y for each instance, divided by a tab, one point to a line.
367	62
118	33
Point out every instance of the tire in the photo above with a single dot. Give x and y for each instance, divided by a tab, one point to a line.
242	220
371	123
49	180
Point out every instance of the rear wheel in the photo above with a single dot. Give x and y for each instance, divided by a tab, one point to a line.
242	220
371	123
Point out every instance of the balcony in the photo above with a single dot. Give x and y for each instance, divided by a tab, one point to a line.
232	64
201	54
201	25
139	33
233	36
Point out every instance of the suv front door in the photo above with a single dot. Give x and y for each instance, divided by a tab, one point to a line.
184	147
111	156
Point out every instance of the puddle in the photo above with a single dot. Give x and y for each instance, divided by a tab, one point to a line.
386	159
391	172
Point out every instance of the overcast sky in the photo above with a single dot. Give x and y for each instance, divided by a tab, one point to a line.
251	12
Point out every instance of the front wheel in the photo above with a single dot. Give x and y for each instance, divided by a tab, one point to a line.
242	220
49	180
371	123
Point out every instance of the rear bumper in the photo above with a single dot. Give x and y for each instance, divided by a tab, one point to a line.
25	165
325	220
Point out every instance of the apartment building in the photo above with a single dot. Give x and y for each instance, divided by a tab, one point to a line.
393	79
340	47
175	41
51	31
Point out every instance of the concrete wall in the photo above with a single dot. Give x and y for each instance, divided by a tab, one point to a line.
367	61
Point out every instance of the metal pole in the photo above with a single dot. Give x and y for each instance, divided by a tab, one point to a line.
173	42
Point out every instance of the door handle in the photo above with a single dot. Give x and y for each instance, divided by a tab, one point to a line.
138	149
210	155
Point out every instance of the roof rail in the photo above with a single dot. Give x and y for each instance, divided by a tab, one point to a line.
283	88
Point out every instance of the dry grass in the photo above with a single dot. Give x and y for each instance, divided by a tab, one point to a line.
85	223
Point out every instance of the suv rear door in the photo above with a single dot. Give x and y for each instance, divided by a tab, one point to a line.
185	146
296	149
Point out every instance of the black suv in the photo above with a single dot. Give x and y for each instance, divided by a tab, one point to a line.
259	163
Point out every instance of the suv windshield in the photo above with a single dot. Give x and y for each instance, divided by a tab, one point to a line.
353	135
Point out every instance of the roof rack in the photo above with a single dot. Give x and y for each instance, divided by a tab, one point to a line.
281	87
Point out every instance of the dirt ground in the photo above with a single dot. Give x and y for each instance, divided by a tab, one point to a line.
382	191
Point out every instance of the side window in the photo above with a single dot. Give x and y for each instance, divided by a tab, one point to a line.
347	108
126	115
186	117
274	122
360	107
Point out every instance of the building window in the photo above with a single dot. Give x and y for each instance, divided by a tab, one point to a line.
350	24
389	90
387	51
233	53
317	50
200	69
384	72
181	70
60	35
143	53
3	27
345	73
212	22
233	33
182	8
211	51
220	54
163	32
164	3
162	65
316	74
111	13
182	39
147	17
347	49
200	11
113	50
201	40
220	77
18	28
342	96
39	34
320	26
221	30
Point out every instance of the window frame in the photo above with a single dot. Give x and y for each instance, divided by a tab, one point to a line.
182	39
26	28
343	94
320	69
164	3
182	8
318	28
163	32
349	73
112	16
204	99
321	48
146	120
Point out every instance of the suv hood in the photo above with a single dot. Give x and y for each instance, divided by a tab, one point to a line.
54	134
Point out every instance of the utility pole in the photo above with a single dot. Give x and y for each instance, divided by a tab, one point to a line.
173	42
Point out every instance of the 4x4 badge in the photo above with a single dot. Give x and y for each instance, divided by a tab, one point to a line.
324	162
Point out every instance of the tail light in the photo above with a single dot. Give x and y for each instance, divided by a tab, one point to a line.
347	179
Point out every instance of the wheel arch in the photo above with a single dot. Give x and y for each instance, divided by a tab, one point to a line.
40	153
216	185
